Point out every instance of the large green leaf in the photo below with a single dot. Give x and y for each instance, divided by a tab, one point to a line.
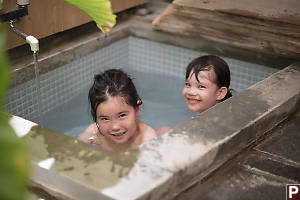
99	10
4	73
14	162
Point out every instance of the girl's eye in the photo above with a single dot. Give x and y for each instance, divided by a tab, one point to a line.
122	115
103	119
187	84
201	86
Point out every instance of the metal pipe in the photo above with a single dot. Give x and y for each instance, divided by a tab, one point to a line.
20	11
32	41
20	33
16	13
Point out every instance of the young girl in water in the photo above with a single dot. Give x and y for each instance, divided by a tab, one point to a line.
115	107
207	83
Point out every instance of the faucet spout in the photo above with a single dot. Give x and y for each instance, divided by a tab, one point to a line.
32	41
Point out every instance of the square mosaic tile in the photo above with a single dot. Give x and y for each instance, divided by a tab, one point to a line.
64	83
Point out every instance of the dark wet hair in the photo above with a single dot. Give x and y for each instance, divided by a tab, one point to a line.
220	67
112	83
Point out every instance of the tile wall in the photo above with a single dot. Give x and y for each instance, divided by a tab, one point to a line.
64	83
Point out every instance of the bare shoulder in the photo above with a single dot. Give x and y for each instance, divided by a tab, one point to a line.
89	132
163	129
148	132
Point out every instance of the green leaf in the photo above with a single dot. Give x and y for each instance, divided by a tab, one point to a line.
4	73
14	162
99	10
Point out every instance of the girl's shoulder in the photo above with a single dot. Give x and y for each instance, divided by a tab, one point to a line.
163	129
89	132
148	132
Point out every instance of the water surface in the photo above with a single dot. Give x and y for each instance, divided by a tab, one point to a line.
162	105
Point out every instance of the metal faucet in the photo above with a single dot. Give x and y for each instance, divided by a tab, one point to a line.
32	41
21	10
13	15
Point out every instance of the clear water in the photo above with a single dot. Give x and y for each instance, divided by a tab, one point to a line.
162	105
37	83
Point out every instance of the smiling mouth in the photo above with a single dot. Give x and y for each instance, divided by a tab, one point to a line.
118	134
193	101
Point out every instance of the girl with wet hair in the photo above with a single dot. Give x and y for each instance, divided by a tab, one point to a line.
115	107
207	82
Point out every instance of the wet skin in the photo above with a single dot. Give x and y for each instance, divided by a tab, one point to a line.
199	96
117	120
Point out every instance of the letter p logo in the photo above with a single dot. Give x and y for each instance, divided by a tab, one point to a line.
293	191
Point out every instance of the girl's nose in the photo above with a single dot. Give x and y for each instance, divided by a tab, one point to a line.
192	91
115	126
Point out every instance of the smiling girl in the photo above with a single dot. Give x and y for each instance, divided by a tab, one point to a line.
207	83
115	107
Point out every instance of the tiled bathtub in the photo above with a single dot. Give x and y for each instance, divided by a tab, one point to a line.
64	83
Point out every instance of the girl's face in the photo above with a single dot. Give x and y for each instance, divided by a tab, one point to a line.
117	120
199	96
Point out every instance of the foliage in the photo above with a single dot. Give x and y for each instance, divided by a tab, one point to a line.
99	10
14	162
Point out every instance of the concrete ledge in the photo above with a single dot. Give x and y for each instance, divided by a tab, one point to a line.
162	167
229	127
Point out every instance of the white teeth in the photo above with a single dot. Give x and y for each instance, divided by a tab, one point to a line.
118	134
